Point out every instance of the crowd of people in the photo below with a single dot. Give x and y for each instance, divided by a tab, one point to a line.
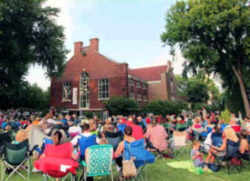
210	135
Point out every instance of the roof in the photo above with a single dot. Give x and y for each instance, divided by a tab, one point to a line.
149	73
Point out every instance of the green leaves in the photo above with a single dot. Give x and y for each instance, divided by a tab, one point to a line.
28	36
213	35
121	106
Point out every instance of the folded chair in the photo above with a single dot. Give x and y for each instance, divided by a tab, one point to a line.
98	161
14	157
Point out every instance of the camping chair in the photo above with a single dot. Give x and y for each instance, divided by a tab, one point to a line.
57	162
168	127
142	157
14	157
98	161
179	143
181	127
4	138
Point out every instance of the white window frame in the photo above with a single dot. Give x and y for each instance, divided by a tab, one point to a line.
66	84
103	89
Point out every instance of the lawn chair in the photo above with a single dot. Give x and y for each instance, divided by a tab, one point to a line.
57	162
181	127
98	161
14	157
4	138
179	143
142	157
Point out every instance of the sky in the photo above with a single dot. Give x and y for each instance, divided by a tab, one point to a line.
128	31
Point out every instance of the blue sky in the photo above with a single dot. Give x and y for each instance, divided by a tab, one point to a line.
128	30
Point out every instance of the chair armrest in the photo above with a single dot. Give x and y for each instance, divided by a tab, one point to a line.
83	163
33	149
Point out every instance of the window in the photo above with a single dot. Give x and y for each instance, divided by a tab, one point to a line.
131	95
67	92
103	89
131	83
144	86
84	90
138	84
139	97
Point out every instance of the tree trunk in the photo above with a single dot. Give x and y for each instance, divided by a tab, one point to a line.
242	90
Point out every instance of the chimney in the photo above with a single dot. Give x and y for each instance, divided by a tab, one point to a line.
78	46
94	44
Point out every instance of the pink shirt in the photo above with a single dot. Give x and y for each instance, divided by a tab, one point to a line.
157	136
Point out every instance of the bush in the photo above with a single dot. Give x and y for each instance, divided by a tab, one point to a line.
121	106
165	107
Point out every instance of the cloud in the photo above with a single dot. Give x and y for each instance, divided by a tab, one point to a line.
177	61
67	19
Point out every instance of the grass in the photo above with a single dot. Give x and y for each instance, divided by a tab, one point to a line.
161	171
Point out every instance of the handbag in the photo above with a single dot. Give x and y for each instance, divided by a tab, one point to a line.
128	167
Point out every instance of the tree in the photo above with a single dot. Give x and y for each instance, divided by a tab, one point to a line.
193	89
121	106
213	35
28	36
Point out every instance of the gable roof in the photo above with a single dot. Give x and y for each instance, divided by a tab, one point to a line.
149	73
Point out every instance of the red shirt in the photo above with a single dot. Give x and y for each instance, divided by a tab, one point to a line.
236	128
137	131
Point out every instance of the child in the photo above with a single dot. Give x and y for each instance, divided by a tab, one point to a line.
196	156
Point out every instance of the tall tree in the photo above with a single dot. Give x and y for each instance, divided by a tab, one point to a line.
213	35
28	35
193	89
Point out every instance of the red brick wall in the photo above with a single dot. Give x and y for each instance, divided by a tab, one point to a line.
98	67
158	91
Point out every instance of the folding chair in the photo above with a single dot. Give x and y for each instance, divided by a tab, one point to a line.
57	162
4	138
14	157
179	143
142	157
98	161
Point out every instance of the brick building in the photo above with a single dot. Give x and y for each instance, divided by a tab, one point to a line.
90	78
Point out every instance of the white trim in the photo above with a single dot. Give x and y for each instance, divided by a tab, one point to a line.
154	82
86	109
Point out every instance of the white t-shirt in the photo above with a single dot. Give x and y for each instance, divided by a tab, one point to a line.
75	129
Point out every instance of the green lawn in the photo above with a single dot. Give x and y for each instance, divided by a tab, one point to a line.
161	171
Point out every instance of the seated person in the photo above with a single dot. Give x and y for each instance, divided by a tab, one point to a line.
128	138
57	155
197	156
244	149
137	130
157	136
112	136
234	125
84	140
229	147
247	127
73	130
131	148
